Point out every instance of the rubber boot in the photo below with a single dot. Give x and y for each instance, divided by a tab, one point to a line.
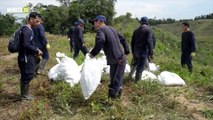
132	71
25	92
42	66
138	76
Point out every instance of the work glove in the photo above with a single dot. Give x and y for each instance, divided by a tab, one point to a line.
193	54
48	46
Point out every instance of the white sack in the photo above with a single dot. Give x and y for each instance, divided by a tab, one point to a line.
153	67
90	76
69	71
170	79
66	69
53	73
146	75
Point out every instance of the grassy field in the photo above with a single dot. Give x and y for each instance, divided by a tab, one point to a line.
141	101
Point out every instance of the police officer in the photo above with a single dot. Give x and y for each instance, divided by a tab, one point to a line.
110	40
142	47
78	39
26	56
188	47
42	43
70	35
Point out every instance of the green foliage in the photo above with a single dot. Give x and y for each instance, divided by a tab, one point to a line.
56	19
7	24
208	113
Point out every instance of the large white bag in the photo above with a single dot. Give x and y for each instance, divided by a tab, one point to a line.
66	69
90	76
146	75
153	67
170	79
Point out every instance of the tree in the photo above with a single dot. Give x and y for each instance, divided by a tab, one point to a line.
7	24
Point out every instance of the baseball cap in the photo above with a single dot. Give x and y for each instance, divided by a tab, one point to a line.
80	21
100	17
144	19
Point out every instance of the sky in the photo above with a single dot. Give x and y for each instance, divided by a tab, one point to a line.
176	9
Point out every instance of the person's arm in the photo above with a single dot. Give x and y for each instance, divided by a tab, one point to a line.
27	34
150	42
41	33
99	42
80	36
124	43
193	43
133	42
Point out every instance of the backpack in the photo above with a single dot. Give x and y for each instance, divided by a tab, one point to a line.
14	42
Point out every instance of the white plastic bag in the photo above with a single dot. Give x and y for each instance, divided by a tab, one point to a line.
153	67
53	73
170	79
90	76
146	75
69	71
66	69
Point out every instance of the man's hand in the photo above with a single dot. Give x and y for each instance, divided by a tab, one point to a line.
193	54
39	52
90	55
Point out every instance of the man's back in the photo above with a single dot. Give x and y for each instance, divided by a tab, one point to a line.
108	38
142	42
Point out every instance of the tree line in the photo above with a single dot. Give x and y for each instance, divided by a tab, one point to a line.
58	19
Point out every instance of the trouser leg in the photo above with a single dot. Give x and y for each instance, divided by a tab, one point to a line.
140	67
84	50
76	52
116	82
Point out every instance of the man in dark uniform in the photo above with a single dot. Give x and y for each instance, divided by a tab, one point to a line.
78	39
187	46
26	56
42	43
110	40
70	36
142	47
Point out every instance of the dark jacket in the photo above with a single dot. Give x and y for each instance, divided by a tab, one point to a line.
110	40
142	41
70	32
27	44
188	42
39	36
78	36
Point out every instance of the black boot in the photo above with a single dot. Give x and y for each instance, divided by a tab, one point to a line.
25	92
138	76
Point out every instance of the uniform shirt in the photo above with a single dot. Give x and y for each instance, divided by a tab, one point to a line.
39	36
188	42
27	44
110	40
78	36
142	41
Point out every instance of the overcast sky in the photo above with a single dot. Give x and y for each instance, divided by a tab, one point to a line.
177	9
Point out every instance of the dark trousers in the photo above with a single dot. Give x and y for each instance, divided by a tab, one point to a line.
45	53
71	45
83	49
186	59
140	65
45	58
116	75
27	68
